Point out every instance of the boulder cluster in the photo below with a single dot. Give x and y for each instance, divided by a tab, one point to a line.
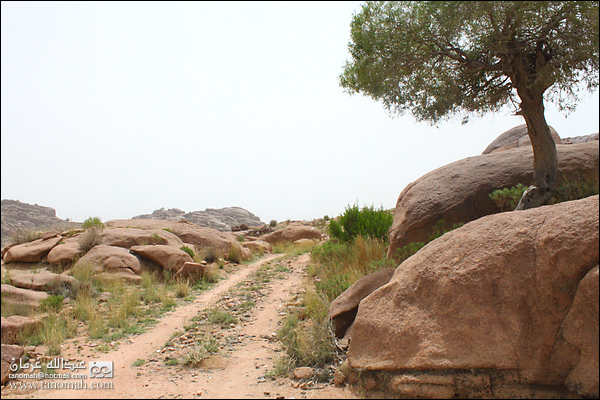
505	306
120	250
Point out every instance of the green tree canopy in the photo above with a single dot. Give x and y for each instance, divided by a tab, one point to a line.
437	59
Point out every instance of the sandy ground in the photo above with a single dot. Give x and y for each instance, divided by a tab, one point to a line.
235	374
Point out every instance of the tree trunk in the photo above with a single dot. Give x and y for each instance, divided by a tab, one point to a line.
545	160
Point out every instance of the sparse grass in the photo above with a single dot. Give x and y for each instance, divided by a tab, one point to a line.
172	362
10	308
234	254
56	329
90	239
309	342
292	249
27	235
182	289
209	254
201	350
567	190
139	362
338	265
216	316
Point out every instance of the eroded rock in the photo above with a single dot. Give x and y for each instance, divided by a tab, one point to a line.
459	192
489	295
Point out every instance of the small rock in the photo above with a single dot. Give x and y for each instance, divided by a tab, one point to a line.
303	373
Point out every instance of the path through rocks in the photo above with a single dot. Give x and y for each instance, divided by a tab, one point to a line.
239	372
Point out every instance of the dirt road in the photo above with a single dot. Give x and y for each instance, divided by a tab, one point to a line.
235	373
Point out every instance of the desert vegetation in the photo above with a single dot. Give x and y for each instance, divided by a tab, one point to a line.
105	309
566	190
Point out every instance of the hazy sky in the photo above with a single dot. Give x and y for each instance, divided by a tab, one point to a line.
117	109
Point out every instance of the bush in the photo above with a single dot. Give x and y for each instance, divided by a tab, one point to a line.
90	239
52	303
366	222
566	190
93	222
508	198
188	250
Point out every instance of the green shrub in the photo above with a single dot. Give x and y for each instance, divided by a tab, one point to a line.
139	362
188	250
52	303
155	238
273	223
93	222
508	198
339	265
366	222
566	190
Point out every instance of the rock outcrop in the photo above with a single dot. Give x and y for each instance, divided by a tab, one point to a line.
187	232
459	192
18	216
31	252
502	304
21	297
291	233
122	249
222	219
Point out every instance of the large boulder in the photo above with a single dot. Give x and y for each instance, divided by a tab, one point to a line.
189	233
192	270
111	259
491	296
21	297
516	137
258	246
127	237
291	233
31	252
44	281
167	257
343	309
580	330
65	253
459	192
14	325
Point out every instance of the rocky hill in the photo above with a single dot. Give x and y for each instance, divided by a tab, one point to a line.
18	216
222	219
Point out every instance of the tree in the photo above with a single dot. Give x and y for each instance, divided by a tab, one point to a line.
437	59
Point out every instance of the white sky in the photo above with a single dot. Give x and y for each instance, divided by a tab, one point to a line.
117	109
